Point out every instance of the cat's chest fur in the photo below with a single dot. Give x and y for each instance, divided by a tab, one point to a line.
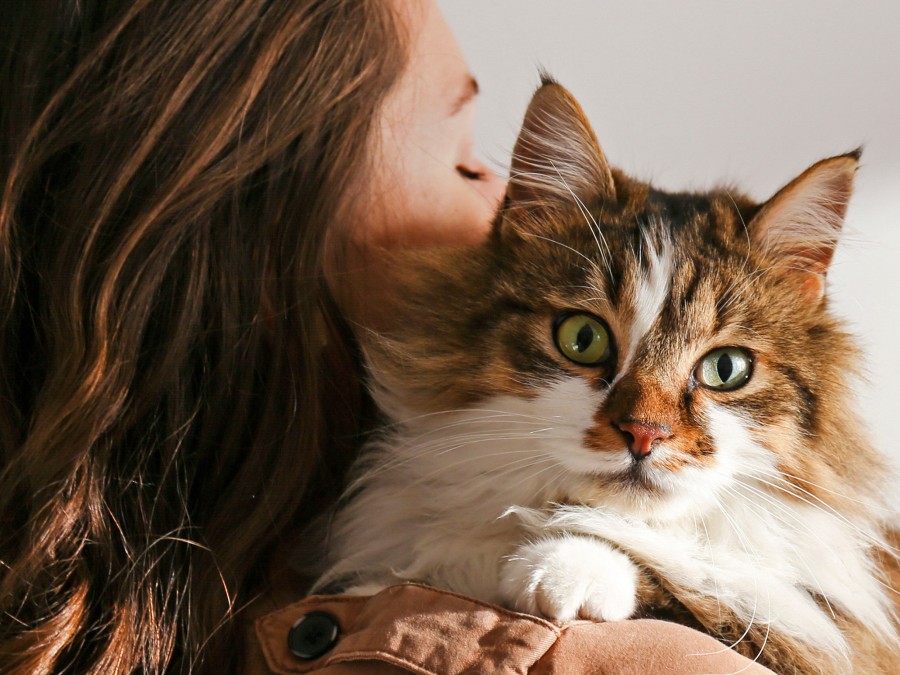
477	501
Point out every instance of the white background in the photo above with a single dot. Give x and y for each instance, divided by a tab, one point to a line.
689	94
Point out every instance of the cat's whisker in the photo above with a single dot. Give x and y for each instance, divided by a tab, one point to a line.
586	287
750	504
490	413
593	226
424	444
735	291
593	265
442	469
484	426
873	540
765	641
742	283
519	467
768	498
600	295
712	558
560	473
830	511
446	443
465	442
762	647
446	446
737	531
510	467
867	503
740	216
746	281
478	422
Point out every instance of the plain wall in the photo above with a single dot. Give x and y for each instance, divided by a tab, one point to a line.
689	94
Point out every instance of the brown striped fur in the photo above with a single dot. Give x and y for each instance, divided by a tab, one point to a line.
475	324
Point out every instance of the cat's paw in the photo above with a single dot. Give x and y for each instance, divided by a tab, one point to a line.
571	577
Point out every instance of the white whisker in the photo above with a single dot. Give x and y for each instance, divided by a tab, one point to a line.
798	521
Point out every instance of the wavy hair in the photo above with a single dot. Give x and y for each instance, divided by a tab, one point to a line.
168	171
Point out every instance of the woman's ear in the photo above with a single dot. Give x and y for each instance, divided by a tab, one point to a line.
799	227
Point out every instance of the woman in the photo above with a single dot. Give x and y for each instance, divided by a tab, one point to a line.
194	194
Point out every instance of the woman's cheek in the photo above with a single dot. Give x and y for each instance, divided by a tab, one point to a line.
439	207
477	204
458	211
491	189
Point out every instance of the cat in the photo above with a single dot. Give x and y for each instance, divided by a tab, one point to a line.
631	403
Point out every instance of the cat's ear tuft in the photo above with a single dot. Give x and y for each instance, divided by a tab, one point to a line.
799	227
557	159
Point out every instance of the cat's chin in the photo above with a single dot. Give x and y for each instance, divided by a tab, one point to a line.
636	493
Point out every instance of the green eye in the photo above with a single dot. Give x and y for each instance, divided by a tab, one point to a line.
583	339
724	369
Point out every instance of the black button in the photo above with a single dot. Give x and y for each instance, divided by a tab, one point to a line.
313	635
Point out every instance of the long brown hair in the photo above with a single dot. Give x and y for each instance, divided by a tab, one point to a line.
168	171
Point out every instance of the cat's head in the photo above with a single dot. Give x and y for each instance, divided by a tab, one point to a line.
665	346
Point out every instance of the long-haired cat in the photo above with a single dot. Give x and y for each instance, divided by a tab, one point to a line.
632	403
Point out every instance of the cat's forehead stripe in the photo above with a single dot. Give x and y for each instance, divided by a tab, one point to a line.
650	295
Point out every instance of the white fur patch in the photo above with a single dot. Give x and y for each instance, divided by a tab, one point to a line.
432	495
461	500
650	296
744	542
568	577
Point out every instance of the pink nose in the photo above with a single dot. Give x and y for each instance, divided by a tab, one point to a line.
642	435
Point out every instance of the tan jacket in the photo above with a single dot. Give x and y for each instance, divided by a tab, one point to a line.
417	629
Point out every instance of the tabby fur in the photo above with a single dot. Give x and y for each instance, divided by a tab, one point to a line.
503	471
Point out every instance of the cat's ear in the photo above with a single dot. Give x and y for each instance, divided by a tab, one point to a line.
557	159
799	227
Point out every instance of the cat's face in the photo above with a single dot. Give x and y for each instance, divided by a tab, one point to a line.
665	347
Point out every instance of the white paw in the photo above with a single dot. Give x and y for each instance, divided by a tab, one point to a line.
571	577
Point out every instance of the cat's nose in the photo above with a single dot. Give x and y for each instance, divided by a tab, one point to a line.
642	435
